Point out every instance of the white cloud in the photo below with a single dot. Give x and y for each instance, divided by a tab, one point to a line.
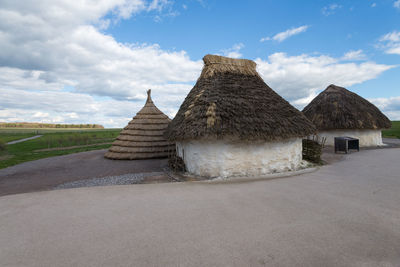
373	5
354	55
286	34
83	57
330	9
158	5
47	46
396	4
394	50
40	114
299	78
387	104
390	106
63	107
164	8
391	42
94	63
391	37
234	51
66	13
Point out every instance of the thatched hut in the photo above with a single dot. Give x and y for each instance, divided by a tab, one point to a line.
232	124
339	112
143	137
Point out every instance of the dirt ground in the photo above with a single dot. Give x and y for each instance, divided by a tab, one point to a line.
45	174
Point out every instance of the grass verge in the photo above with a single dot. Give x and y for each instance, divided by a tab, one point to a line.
393	132
54	143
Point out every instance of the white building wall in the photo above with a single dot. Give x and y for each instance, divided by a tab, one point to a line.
366	137
221	158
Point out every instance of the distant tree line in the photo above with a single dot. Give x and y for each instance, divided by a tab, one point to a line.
47	125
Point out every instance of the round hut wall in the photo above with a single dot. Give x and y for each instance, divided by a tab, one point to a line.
367	138
223	158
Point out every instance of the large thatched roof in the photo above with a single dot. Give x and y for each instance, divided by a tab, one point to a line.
338	108
143	137
231	100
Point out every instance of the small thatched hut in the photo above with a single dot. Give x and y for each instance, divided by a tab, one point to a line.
143	137
339	112
233	124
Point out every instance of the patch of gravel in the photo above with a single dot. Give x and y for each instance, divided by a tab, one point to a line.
130	178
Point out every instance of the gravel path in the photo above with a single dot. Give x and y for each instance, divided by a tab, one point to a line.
23	140
130	178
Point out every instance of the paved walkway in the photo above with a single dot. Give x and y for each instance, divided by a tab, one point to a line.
345	214
23	140
391	141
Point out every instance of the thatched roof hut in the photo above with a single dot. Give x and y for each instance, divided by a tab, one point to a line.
339	112
231	106
231	99
143	137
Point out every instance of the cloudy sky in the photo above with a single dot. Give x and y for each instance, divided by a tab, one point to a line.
91	61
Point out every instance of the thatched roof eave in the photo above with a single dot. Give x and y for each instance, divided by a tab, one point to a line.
143	136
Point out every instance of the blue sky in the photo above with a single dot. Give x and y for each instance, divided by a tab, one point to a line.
334	28
91	61
216	25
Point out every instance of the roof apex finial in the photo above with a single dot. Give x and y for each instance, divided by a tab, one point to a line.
149	96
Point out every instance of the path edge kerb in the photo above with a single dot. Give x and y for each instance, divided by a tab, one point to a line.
245	179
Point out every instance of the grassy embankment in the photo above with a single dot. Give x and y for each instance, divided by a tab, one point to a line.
54	142
393	132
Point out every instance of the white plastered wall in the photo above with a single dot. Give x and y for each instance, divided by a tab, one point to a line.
223	158
367	138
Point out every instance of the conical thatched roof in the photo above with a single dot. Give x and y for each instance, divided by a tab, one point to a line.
338	108
231	100
143	137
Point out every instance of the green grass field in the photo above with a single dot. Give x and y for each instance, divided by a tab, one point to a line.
393	132
14	136
62	141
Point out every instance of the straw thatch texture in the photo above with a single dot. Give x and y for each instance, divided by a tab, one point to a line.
143	137
338	108
231	100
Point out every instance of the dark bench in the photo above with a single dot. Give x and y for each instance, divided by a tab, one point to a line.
345	143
